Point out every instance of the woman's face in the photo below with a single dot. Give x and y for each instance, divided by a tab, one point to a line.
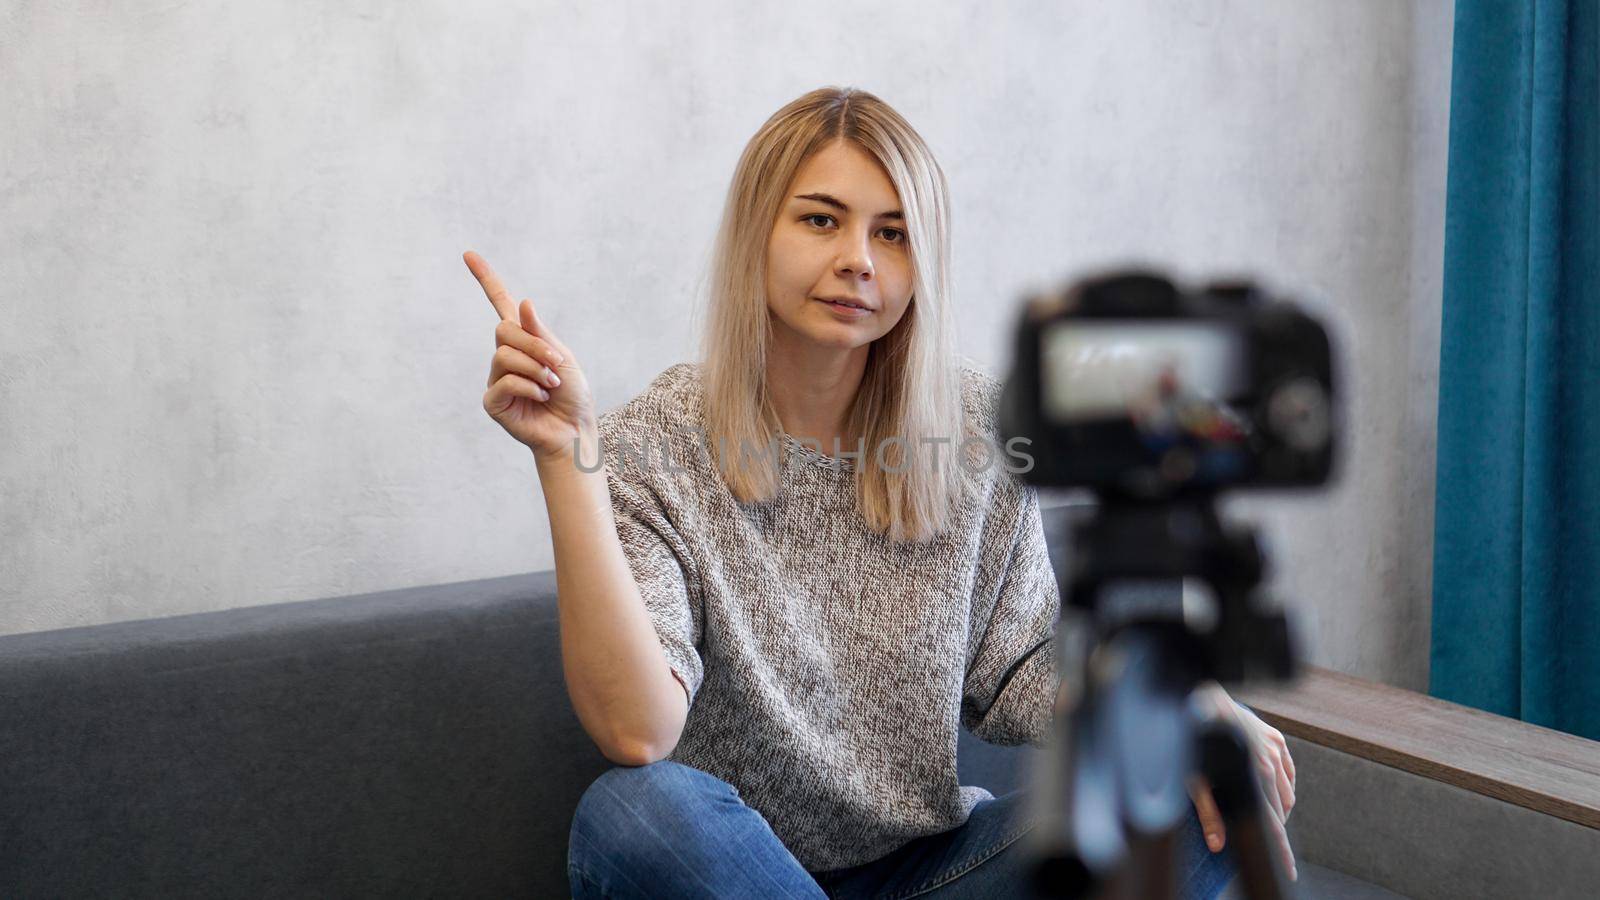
839	233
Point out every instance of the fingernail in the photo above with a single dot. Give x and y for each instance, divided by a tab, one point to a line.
1214	842
555	380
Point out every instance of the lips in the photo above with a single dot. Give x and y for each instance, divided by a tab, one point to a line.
845	302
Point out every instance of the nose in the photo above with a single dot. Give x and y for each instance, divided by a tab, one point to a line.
854	259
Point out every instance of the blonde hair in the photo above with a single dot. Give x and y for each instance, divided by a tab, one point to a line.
911	389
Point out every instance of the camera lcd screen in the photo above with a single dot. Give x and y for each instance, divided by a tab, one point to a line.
1115	368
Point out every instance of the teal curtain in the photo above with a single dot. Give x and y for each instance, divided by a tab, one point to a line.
1516	563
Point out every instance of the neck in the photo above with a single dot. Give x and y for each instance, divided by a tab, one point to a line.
812	387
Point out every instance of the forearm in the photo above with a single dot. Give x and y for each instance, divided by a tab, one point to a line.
617	674
1214	697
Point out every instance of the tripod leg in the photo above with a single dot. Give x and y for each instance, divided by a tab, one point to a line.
1225	762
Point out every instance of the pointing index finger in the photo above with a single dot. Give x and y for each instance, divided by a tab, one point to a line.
499	298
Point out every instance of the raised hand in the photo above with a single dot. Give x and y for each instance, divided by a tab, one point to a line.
536	392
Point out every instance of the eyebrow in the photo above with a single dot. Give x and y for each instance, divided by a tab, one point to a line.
838	204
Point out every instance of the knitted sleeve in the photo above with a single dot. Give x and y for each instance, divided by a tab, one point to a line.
1010	687
662	567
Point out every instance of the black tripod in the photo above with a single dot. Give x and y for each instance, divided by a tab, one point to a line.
1116	793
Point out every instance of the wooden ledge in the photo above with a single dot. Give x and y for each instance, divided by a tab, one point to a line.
1535	767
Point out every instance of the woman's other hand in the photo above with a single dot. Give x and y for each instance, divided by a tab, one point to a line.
1274	768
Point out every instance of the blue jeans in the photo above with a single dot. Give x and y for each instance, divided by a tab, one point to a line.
668	830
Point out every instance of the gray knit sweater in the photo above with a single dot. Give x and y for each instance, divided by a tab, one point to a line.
829	670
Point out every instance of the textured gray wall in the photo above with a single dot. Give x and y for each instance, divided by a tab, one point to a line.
242	361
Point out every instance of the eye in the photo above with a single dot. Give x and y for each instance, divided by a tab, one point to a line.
900	237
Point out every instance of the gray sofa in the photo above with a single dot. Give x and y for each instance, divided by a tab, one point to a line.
414	742
407	743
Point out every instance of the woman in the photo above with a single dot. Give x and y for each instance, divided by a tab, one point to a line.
777	645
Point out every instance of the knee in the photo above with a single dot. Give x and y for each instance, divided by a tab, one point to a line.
625	796
619	811
621	788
